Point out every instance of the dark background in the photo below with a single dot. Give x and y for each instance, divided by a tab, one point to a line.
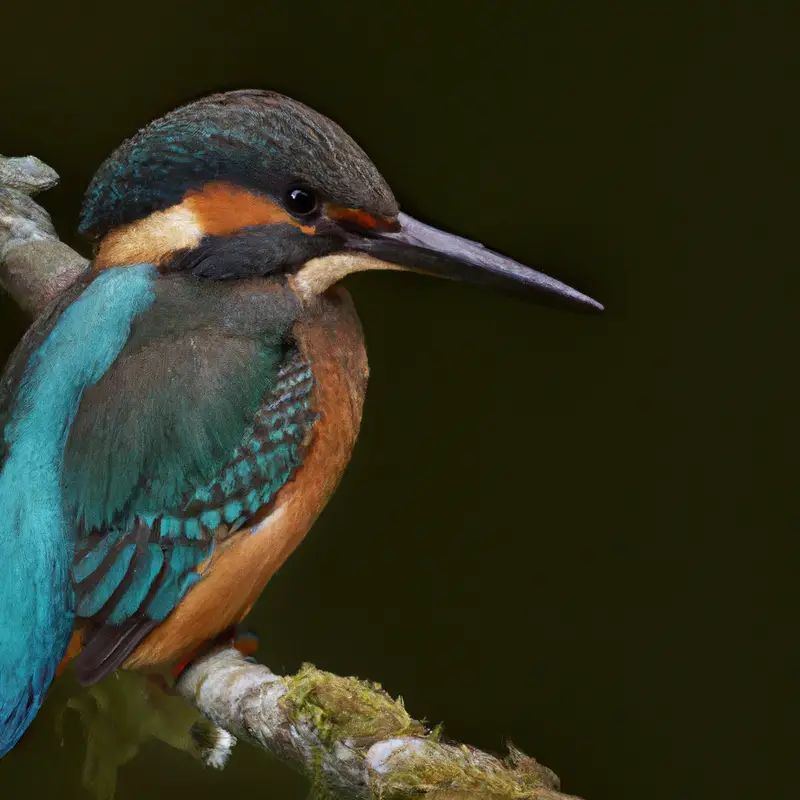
577	533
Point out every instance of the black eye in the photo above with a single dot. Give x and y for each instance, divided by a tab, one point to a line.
300	201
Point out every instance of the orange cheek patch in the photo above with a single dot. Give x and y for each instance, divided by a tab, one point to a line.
361	218
221	208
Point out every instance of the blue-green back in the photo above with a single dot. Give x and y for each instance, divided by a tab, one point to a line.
49	374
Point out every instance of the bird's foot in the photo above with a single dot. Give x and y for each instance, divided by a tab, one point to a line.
237	636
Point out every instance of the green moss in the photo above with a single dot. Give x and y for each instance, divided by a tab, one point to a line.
443	772
360	712
346	708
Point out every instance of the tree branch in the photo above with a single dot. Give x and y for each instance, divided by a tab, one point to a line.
350	736
35	266
347	735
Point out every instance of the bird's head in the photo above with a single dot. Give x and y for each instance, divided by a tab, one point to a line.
252	183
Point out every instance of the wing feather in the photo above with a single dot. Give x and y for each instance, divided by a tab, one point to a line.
141	558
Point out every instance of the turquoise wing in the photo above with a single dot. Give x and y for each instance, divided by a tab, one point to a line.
185	438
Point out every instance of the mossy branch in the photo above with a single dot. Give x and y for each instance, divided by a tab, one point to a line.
349	736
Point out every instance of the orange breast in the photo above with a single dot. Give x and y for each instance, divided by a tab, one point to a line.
331	340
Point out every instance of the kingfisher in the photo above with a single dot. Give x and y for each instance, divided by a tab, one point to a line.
173	423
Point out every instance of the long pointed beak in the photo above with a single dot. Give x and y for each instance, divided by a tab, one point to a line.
423	248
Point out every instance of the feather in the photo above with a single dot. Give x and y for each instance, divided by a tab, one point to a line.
70	348
196	426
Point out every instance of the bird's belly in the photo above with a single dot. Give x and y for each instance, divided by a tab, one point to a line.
241	566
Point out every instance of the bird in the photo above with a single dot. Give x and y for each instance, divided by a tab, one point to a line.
174	422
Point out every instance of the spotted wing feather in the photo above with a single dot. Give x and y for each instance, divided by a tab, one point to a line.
129	578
